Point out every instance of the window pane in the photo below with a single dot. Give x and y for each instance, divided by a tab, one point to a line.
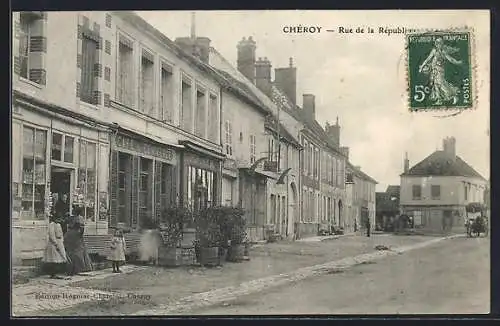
68	149
89	49
56	146
91	156
24	36
83	153
28	142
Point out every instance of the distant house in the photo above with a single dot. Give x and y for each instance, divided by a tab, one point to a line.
435	191
387	206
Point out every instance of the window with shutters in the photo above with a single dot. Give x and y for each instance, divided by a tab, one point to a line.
89	61
253	149
147	84
228	141
186	105
166	93
125	73
33	186
30	41
200	114
213	119
87	178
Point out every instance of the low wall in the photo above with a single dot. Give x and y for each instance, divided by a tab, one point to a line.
307	230
28	243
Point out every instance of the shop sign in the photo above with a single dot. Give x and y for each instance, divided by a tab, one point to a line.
131	144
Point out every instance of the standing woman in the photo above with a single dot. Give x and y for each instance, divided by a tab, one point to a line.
54	256
73	241
117	254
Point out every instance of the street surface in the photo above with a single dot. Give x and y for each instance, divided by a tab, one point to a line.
418	278
449	277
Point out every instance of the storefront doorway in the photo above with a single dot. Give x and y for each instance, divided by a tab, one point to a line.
60	184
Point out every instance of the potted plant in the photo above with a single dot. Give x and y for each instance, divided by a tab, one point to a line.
208	236
236	229
171	229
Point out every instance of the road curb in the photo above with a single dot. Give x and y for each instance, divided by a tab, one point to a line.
214	297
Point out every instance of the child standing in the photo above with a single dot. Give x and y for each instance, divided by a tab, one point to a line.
117	254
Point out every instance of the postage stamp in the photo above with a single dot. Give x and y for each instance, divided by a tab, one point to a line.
439	67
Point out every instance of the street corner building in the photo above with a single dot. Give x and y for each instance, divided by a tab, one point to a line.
124	118
437	190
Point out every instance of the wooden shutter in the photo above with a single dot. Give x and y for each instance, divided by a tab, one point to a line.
113	189
134	188
174	186
157	182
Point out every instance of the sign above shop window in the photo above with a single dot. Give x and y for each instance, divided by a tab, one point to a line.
141	147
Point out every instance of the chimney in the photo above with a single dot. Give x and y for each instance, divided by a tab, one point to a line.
246	58
286	80
263	75
406	163
449	146
334	132
196	46
309	106
345	151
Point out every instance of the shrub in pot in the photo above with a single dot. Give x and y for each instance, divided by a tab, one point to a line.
208	236
236	230
171	226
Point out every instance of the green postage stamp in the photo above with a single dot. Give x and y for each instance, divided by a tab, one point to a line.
439	67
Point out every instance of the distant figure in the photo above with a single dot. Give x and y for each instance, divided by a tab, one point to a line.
355	225
368	227
117	254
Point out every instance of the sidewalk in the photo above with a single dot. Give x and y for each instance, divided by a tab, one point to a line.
161	287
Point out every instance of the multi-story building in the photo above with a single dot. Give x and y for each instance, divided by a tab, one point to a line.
436	191
127	119
361	199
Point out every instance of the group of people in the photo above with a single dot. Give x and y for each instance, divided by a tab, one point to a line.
66	252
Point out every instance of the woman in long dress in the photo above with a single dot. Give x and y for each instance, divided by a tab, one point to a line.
441	90
75	247
55	257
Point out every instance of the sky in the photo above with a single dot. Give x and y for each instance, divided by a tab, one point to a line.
359	77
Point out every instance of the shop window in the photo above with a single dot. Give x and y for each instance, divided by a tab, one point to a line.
56	146
201	188
145	189
33	186
167	93
89	61
125	82
124	181
68	149
147	87
87	172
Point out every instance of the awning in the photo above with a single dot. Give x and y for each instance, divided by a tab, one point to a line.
153	138
198	148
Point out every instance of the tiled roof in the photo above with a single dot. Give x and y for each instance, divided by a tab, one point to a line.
393	189
360	173
440	163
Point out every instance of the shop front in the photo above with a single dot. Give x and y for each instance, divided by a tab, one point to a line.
201	173
54	154
143	180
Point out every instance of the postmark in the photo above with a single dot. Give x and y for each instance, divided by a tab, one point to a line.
440	72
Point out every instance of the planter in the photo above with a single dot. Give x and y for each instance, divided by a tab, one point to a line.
236	253
169	256
188	238
209	256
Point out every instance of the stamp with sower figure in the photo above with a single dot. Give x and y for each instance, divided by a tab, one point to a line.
439	67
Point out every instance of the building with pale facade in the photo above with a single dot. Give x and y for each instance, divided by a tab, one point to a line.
436	191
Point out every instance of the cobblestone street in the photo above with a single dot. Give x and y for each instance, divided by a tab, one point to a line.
152	287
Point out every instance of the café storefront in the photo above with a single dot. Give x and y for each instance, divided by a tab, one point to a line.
144	179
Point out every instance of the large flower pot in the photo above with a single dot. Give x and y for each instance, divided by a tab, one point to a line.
236	253
169	256
209	256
